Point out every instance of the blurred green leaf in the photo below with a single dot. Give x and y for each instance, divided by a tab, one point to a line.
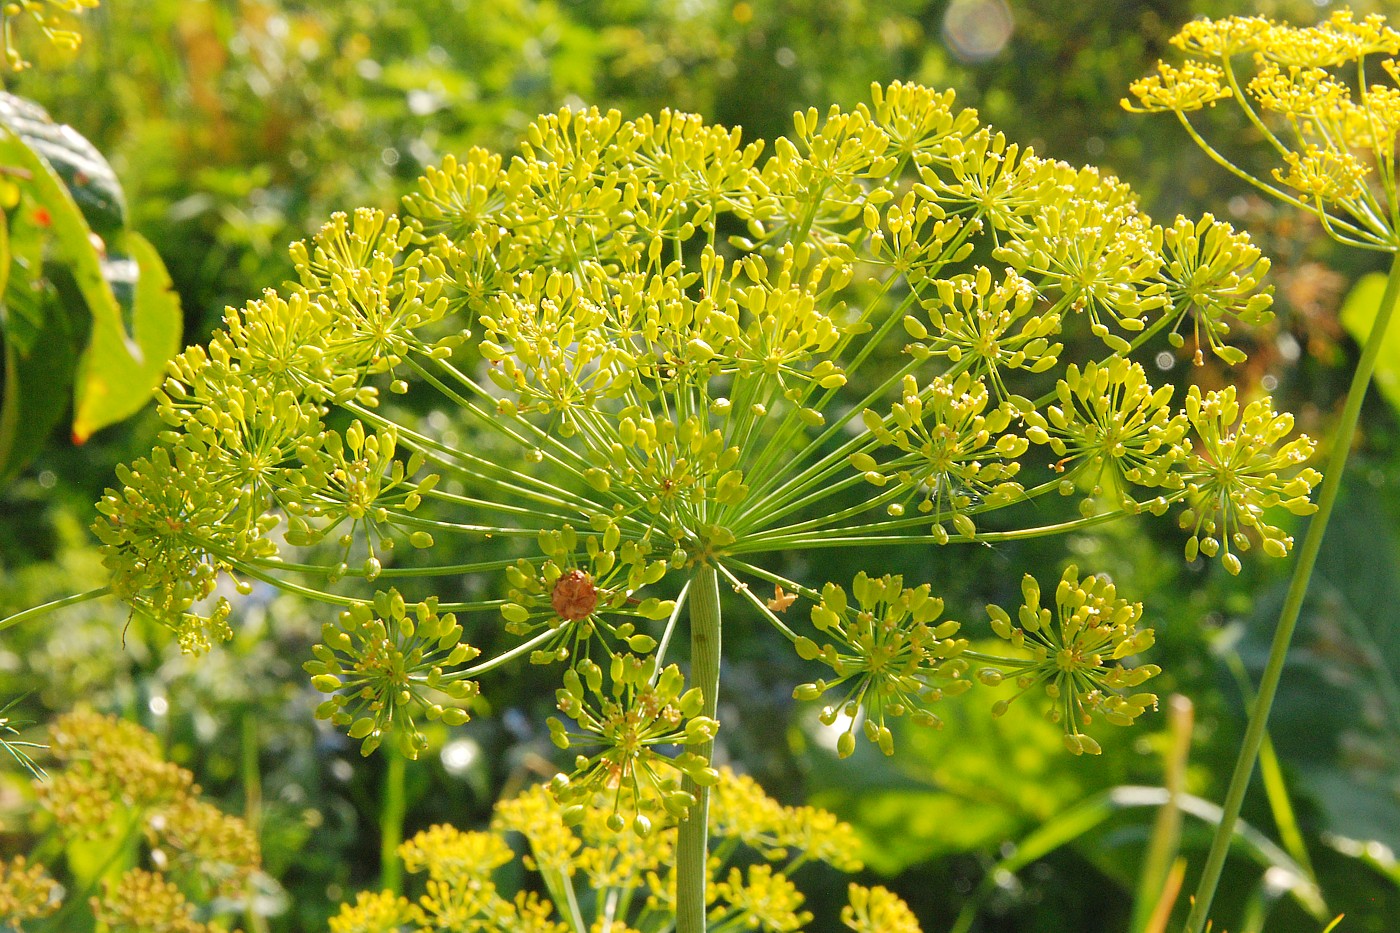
1358	314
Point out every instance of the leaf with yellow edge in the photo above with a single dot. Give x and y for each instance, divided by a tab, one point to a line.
112	384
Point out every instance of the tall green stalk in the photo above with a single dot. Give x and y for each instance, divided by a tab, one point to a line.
391	815
1293	604
692	843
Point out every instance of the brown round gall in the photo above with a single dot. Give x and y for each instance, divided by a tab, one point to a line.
574	597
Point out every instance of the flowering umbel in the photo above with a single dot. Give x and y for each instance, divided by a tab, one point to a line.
1333	135
639	357
110	790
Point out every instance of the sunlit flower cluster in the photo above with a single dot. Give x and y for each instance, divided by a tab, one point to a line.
1242	468
594	879
48	17
1306	90
1074	655
632	721
643	355
383	663
889	652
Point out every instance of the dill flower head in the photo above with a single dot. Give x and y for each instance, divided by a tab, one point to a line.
52	20
26	891
570	390
1074	654
1237	471
888	651
1111	427
629	720
110	786
1305	89
144	902
383	663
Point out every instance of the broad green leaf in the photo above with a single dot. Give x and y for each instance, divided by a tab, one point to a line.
86	174
42	336
112	384
35	388
72	237
1358	314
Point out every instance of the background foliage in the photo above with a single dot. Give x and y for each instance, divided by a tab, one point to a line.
237	127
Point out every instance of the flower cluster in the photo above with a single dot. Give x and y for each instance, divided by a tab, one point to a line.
26	892
630	878
889	651
48	17
663	355
1071	654
1306	90
383	662
1239	471
110	790
632	721
580	603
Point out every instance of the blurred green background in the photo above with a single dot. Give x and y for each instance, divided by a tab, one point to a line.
237	126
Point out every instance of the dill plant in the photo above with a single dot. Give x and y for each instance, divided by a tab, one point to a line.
660	357
1312	95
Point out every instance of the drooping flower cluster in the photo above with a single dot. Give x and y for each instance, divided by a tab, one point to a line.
660	356
595	879
1306	90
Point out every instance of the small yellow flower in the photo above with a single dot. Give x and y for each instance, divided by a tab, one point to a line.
1192	86
1222	38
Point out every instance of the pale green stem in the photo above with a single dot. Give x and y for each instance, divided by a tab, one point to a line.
252	809
46	608
692	843
1292	606
391	816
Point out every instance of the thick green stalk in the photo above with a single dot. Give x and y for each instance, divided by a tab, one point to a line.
1293	604
692	845
391	816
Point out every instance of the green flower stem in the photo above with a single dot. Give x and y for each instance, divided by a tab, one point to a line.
480	470
692	843
1293	604
445	496
665	643
518	651
777	502
319	596
251	776
46	608
391	815
439	570
497	421
780	443
851	537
